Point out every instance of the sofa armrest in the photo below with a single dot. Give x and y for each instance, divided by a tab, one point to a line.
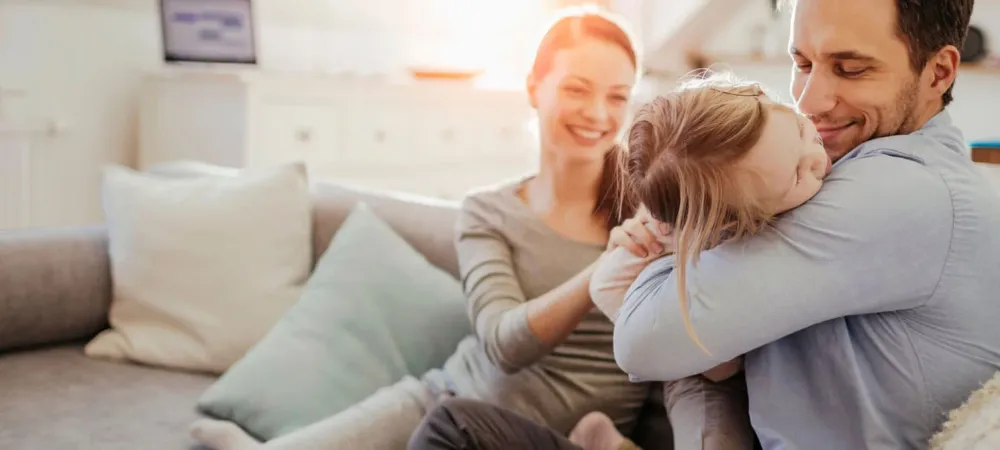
55	285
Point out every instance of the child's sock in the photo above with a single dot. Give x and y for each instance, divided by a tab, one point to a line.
596	431
222	435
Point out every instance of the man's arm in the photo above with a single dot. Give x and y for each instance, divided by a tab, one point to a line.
616	271
874	239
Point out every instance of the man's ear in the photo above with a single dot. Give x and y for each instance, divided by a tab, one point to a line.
531	85
943	68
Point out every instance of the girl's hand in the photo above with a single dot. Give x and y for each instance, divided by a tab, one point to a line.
642	235
725	370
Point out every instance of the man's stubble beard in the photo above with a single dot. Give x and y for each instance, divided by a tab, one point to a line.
902	119
895	119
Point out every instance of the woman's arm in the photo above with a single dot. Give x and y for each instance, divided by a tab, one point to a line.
554	315
515	331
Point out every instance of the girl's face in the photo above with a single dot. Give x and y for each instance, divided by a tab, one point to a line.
789	160
583	100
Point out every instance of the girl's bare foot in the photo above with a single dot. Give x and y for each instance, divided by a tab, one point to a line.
596	431
222	435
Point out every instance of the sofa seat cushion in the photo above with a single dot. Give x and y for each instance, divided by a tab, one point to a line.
58	398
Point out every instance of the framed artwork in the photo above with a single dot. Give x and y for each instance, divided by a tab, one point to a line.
208	31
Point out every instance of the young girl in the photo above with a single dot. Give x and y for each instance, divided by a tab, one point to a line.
714	160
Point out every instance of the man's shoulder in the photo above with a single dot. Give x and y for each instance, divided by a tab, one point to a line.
938	139
916	147
917	167
880	193
886	174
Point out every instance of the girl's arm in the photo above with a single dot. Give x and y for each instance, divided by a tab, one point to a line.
631	247
515	331
616	270
619	267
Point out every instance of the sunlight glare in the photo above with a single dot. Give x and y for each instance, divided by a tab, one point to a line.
492	38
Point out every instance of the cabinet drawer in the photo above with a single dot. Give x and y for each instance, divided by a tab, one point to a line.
455	134
312	133
381	132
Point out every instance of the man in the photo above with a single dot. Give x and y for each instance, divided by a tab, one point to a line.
868	313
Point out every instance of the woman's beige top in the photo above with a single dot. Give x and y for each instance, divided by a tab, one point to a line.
507	256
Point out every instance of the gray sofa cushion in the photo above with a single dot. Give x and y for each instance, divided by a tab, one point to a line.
55	285
58	398
426	224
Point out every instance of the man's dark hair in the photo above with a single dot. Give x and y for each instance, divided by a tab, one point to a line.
927	26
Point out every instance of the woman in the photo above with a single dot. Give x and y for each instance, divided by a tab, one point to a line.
713	161
526	251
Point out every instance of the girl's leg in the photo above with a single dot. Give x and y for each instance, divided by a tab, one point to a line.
383	421
709	415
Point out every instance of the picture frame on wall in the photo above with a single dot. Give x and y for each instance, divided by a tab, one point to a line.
208	31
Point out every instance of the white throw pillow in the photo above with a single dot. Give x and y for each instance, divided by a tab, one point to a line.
202	267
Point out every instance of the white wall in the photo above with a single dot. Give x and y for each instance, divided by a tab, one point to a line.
80	63
372	36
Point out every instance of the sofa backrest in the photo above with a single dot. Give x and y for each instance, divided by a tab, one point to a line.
427	224
55	283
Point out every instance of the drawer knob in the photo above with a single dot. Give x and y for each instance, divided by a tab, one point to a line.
303	135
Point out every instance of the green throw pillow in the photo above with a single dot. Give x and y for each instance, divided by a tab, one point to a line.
373	311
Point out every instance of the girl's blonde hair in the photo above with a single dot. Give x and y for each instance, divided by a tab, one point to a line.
682	150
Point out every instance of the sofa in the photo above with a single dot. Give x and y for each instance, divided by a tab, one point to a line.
55	293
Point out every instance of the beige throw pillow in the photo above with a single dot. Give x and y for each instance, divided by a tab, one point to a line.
202	267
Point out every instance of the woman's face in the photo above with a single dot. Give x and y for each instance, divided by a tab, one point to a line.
583	100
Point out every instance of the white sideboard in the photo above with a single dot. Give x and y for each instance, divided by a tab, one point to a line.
432	138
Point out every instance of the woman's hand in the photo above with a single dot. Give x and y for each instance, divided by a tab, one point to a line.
642	235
